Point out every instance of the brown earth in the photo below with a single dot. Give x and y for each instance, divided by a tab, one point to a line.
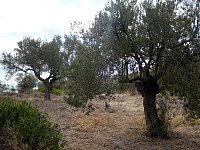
121	127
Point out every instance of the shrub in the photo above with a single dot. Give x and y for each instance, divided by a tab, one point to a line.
41	90
32	126
57	91
74	101
183	80
125	87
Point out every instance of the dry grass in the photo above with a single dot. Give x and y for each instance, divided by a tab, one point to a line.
121	127
100	121
10	141
95	122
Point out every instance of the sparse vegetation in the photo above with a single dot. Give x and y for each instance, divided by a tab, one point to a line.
153	44
120	128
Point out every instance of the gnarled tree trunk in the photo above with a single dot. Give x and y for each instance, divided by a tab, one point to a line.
148	89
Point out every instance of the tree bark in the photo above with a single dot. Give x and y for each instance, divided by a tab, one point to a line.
126	69
148	89
47	96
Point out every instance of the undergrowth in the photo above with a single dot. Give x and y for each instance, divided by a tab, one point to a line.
32	126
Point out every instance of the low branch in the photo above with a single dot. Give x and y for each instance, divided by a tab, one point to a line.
11	65
137	59
160	50
37	74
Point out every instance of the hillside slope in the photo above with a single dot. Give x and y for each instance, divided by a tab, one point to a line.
121	127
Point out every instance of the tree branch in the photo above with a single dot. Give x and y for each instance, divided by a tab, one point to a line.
160	50
11	65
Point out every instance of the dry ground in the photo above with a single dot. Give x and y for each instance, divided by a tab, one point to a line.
121	127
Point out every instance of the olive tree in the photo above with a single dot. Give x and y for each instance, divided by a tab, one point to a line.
84	79
41	58
149	37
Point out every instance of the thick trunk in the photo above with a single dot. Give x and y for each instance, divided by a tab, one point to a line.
47	95
155	128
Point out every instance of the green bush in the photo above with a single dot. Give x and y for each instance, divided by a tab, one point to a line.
32	126
125	87
74	101
57	91
41	88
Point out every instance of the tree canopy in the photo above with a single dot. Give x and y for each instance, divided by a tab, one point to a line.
39	57
148	38
84	75
149	34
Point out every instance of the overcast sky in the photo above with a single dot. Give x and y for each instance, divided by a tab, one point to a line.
41	18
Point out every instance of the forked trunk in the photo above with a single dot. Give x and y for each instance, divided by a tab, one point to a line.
149	88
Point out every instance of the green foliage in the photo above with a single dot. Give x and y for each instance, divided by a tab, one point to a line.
74	101
40	87
146	35
84	80
57	91
183	80
3	87
125	87
33	127
38	57
54	90
147	38
26	83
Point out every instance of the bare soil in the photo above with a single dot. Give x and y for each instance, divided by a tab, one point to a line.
121	127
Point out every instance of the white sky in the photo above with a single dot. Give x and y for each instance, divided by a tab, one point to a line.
41	18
